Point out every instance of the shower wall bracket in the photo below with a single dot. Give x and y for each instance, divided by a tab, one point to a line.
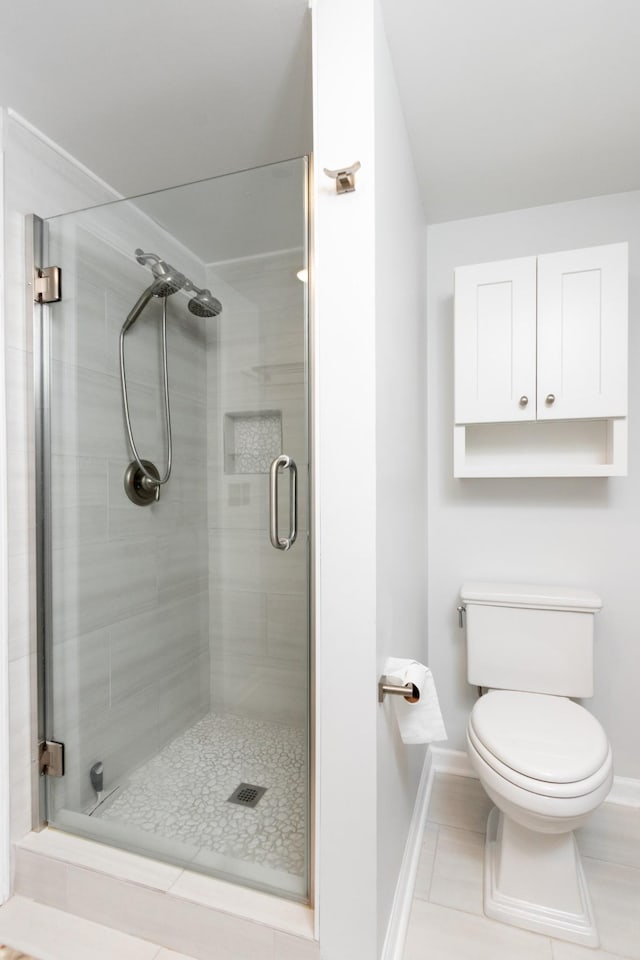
345	177
47	285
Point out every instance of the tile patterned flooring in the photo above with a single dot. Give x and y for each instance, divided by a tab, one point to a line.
447	920
47	933
181	793
50	934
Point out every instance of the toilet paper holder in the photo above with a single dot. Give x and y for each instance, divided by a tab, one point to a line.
410	692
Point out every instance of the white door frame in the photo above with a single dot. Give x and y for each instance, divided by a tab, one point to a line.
5	831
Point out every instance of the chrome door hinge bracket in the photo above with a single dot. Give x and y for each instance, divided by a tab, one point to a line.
51	756
47	285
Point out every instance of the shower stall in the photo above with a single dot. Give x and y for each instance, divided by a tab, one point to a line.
172	444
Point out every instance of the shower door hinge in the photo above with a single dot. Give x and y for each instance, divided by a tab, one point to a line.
47	285
51	758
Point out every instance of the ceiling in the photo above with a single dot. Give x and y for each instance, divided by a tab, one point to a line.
149	94
509	103
516	103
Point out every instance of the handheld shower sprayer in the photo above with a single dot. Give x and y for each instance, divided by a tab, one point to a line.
167	281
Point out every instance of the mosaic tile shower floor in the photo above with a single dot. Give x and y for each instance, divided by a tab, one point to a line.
181	793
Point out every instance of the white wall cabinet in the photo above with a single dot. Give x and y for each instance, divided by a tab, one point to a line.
540	341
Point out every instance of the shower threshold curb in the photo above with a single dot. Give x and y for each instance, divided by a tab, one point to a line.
129	892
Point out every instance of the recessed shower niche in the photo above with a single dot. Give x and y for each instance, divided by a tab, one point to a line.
175	639
252	441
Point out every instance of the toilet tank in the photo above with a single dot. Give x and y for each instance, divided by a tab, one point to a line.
531	638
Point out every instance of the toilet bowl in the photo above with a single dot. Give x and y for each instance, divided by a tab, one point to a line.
546	764
543	759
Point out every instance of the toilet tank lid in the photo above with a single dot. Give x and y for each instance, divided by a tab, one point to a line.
530	595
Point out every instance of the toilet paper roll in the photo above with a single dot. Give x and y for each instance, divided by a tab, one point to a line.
419	722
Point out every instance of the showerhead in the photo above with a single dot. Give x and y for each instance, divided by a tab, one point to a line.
168	280
204	304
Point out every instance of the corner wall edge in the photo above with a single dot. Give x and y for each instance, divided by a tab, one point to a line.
393	947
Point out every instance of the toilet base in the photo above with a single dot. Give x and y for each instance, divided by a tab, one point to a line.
536	881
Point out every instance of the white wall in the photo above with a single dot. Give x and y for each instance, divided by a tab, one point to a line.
583	532
401	535
370	436
5	792
345	480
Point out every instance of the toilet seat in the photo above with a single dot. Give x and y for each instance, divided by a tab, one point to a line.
542	744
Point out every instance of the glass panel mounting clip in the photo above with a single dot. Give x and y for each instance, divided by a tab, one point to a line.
51	758
47	285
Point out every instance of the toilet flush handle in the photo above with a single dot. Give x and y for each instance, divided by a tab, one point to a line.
461	610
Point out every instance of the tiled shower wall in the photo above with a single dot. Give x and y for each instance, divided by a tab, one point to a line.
130	584
131	661
256	384
115	652
37	179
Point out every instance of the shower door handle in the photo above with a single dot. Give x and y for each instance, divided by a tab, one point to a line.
283	543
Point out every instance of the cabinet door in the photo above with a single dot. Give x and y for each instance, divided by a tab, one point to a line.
582	333
495	341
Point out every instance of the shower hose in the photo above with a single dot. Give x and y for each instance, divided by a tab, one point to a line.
151	481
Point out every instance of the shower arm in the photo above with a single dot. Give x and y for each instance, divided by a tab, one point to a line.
143	258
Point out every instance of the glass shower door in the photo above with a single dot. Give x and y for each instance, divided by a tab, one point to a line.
176	623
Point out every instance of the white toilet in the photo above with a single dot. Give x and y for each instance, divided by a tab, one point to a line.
543	759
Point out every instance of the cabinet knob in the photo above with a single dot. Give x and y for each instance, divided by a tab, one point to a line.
550	398
524	401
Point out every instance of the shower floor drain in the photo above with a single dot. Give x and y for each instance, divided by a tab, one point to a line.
247	795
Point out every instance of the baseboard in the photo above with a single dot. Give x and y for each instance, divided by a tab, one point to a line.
455	762
625	791
394	940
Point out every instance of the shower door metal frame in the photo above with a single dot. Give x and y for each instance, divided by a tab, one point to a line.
310	339
35	250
